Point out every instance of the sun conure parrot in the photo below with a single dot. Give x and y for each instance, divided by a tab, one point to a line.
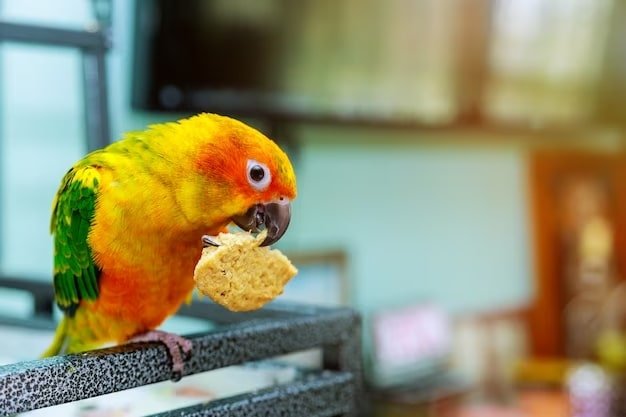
128	220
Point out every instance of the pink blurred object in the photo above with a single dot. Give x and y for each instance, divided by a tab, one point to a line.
589	391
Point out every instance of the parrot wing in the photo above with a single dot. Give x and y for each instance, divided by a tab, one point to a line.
75	271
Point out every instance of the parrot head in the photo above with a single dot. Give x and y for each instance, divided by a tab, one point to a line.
237	175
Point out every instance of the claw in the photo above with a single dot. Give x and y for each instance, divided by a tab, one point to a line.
178	347
209	241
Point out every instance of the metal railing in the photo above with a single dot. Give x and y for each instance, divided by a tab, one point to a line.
272	331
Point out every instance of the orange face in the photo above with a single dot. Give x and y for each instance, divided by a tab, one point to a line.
255	176
253	166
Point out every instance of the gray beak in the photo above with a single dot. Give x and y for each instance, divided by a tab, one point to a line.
274	217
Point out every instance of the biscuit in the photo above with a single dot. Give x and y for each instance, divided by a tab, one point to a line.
241	275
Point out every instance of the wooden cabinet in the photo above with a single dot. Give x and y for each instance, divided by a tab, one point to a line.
578	212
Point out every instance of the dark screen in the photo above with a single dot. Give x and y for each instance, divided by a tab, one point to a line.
188	50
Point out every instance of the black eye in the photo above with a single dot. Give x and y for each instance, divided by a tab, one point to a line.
257	173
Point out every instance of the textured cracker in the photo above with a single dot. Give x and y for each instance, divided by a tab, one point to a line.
239	274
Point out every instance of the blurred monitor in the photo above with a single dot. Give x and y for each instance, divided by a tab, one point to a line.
305	59
195	53
410	344
383	61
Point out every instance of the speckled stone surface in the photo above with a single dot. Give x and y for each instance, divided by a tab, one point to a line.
42	383
318	395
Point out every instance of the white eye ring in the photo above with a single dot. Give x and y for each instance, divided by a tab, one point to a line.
259	175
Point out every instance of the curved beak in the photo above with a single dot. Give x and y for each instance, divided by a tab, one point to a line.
274	217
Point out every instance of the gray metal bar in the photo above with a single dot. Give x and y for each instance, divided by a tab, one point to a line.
37	287
43	294
42	383
93	45
43	297
346	356
31	323
40	35
323	395
95	96
215	313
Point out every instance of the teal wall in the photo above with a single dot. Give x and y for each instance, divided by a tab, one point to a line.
420	216
419	219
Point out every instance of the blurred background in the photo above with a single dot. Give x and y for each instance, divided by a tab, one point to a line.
460	165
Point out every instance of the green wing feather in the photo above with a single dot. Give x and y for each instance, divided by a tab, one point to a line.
75	272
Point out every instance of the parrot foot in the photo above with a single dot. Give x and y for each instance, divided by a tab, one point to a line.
178	347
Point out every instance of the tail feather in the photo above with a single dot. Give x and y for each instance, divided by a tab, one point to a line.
59	342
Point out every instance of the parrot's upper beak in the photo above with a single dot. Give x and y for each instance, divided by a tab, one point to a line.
274	217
